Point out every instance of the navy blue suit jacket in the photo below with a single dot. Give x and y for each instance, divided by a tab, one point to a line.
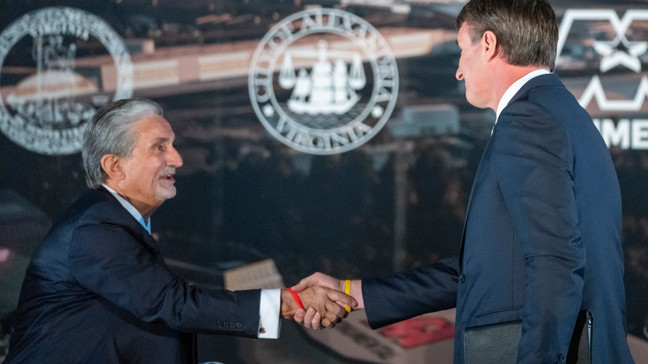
98	291
542	237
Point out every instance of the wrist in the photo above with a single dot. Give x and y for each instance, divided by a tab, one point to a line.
296	298
290	303
341	285
356	293
288	307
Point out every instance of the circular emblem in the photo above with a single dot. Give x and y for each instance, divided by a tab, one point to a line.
48	93
323	81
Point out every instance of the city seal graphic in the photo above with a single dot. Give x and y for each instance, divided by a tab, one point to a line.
46	96
323	81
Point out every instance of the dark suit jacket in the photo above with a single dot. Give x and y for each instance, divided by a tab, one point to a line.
98	291
542	237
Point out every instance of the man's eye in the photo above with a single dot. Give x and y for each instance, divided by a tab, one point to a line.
160	147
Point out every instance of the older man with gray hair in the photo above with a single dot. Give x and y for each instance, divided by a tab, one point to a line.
97	290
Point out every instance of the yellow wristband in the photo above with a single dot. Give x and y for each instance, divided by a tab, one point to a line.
347	290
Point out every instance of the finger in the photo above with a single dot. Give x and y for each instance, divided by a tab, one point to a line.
308	318
300	315
336	301
335	309
340	312
328	324
338	309
334	314
316	322
341	298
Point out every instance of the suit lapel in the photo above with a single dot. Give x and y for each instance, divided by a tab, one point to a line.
472	190
119	215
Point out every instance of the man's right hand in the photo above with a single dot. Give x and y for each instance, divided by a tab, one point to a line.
319	279
311	318
324	302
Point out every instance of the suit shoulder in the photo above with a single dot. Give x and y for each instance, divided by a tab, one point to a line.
92	207
88	202
528	113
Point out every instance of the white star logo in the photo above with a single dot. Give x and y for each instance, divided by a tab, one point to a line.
620	52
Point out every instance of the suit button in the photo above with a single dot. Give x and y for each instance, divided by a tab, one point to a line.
462	278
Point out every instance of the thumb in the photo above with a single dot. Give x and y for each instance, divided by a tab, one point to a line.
304	283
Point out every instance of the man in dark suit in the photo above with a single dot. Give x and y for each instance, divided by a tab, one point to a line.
542	232
98	291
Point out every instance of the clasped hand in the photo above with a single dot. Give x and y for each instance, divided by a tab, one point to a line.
314	316
324	305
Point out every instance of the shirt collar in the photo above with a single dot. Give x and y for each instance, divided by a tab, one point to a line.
130	208
515	87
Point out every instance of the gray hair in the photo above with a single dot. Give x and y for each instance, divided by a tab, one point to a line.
526	30
111	132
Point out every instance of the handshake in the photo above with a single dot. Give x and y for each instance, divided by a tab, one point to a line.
324	300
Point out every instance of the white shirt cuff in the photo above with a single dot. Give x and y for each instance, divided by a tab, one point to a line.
269	311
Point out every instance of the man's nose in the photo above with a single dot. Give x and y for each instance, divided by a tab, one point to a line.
459	74
174	159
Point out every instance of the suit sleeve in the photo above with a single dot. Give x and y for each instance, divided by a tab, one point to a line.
412	293
110	261
534	164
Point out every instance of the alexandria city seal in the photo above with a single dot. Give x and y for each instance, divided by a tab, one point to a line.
45	101
323	81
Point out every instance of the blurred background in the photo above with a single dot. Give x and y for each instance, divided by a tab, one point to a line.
375	201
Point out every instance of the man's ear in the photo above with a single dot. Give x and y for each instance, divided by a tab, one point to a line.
489	40
111	164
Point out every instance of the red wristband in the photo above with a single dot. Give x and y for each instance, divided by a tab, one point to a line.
296	297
